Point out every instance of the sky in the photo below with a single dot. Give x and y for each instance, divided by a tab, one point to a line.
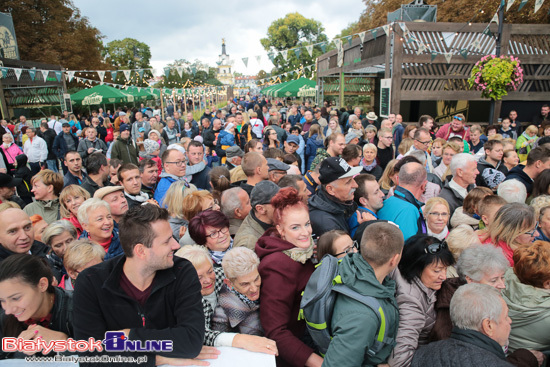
192	29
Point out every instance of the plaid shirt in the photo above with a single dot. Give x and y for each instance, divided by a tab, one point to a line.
210	335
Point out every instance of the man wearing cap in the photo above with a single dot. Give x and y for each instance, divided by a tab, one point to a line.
91	144
7	189
332	204
64	142
125	148
195	154
291	146
260	217
255	168
276	169
454	128
98	173
114	196
234	155
352	138
140	122
75	175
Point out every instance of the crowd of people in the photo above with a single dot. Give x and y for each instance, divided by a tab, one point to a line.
207	232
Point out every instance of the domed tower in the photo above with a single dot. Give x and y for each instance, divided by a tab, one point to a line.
225	76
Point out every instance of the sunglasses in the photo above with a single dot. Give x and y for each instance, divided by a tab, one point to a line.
434	248
457	118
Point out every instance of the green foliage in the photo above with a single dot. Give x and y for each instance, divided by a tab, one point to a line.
128	53
294	30
350	29
495	76
199	77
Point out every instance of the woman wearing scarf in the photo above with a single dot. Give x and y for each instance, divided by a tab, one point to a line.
369	161
210	228
436	212
285	253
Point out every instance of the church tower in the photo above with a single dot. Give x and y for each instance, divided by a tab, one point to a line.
225	75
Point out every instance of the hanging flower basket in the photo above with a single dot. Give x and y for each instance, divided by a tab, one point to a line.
496	76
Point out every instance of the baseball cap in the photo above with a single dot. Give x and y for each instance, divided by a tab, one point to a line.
104	191
65	124
8	181
293	139
276	165
263	192
335	168
124	127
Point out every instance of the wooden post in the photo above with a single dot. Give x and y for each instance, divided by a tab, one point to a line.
161	104
185	100
342	83
395	100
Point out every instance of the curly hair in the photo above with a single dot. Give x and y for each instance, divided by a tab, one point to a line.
532	264
287	197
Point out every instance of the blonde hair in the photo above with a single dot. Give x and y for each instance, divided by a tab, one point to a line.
385	181
540	204
511	220
57	228
81	252
239	261
433	202
460	238
192	204
405	146
454	146
49	177
371	147
175	195
89	206
71	190
196	254
532	129
9	205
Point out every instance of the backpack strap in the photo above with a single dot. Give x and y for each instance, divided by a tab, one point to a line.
381	339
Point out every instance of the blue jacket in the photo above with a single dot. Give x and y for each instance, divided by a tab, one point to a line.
226	138
115	248
404	210
60	145
311	149
352	221
162	188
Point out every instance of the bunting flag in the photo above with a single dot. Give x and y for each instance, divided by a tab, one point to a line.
448	56
126	74
58	75
179	69
509	4
284	54
476	44
139	89
421	48
17	72
141	72
323	46
166	72
70	75
4	72
259	59
113	74
101	74
338	43
522	4
538	4
349	38
434	54
32	73
464	53
298	52
374	33
39	72
362	36
271	56
309	49
245	61
495	18
488	32
386	29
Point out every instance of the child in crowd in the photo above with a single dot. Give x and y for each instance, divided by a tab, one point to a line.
151	149
488	208
437	151
506	131
140	139
211	157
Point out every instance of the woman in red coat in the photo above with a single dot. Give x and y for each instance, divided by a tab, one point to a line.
285	267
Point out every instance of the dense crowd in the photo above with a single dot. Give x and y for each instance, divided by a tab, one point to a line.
207	232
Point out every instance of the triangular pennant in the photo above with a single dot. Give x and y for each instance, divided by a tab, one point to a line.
349	38
386	29
298	52
166	72
259	59
127	74
494	19
4	72
179	69
113	74
101	74
338	43
271	56
522	4
538	4
141	72
488	32
448	56
284	54
434	54
17	72
374	33
309	49
245	61
509	4
362	36
58	75
32	73
70	75
464	53
139	89
323	46
421	48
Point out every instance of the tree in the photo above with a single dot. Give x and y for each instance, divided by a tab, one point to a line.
54	32
350	29
192	74
294	30
458	11
128	53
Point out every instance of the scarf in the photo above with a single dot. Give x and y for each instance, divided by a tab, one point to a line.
368	167
140	198
217	256
176	178
244	299
440	236
300	255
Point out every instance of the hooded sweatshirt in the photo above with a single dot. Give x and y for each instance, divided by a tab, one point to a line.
482	165
354	325
328	213
283	281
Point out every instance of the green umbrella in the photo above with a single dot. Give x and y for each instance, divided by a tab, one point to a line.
98	95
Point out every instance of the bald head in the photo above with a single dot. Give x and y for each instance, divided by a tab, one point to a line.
413	174
16	231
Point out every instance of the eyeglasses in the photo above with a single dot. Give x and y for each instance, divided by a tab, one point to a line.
532	233
349	249
178	163
434	248
423	142
214	203
457	118
436	214
388	137
217	233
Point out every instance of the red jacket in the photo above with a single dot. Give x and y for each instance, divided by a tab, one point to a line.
283	281
445	131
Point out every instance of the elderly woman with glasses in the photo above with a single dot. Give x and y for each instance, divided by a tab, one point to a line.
436	212
420	274
212	280
210	228
337	243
